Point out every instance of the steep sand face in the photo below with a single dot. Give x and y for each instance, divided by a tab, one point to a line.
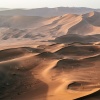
89	22
50	72
84	24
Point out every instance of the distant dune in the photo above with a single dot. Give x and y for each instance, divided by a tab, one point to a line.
47	12
3	9
53	28
93	18
19	22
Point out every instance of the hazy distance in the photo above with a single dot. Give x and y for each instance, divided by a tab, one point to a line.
48	3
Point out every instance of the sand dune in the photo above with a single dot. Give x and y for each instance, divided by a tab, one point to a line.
55	58
36	73
70	38
78	50
93	18
19	22
40	29
89	22
17	52
84	24
46	12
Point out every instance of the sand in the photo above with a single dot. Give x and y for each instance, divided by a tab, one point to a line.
28	73
55	58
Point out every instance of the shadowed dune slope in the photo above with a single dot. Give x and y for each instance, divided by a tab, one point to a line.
93	18
94	96
17	52
70	38
20	85
81	63
90	22
78	50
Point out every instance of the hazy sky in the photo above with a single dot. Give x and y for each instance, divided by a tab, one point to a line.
49	3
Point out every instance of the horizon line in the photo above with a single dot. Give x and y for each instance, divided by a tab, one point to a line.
49	7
